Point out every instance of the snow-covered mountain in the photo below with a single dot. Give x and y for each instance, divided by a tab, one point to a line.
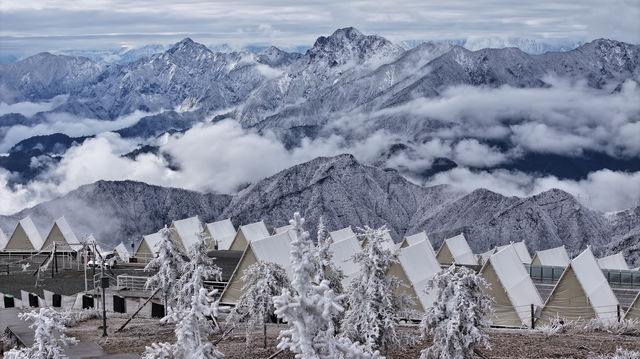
530	46
346	192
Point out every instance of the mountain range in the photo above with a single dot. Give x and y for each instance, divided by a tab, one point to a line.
347	84
345	192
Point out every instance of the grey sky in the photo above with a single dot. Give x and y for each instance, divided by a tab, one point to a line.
30	26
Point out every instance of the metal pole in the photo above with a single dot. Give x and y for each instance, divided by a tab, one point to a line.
85	269
104	306
618	310
533	317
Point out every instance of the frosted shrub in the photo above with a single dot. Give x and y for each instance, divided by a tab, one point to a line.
262	281
50	339
623	327
557	325
308	309
73	318
375	310
169	264
457	320
620	354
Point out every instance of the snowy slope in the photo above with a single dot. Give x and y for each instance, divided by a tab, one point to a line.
346	192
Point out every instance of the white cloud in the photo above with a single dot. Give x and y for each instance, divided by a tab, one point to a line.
470	152
602	190
29	109
68	124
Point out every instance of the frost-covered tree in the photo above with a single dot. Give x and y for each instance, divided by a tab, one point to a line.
375	310
323	259
262	282
198	258
457	320
168	264
195	306
49	338
309	308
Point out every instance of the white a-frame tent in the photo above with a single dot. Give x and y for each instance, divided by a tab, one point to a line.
148	246
248	233
582	292
415	267
274	249
343	252
342	234
186	231
25	237
417	238
282	229
222	233
3	240
511	288
521	249
456	249
122	252
387	242
557	257
63	236
613	262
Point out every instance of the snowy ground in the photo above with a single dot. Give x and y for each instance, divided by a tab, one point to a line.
505	343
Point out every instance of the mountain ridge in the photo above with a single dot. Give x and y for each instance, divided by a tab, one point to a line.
345	192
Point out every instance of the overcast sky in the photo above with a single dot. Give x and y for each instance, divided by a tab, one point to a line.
30	26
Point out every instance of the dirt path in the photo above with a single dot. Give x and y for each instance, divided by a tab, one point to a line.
505	343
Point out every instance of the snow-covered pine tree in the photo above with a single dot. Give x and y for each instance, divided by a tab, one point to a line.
308	309
262	282
198	258
323	259
457	320
375	310
195	306
168	264
50	339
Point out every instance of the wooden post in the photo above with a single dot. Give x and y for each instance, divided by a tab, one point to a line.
533	317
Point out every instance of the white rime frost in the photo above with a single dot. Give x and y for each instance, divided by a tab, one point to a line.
50	339
308	309
456	321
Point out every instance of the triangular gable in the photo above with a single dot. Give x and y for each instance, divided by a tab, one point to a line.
521	249
456	249
275	249
511	287
149	244
582	292
3	240
222	233
343	252
248	233
25	237
122	252
484	257
555	257
64	237
387	242
342	234
613	262
416	238
280	230
186	231
634	309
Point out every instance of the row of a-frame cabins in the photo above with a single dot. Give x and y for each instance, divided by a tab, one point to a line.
582	291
